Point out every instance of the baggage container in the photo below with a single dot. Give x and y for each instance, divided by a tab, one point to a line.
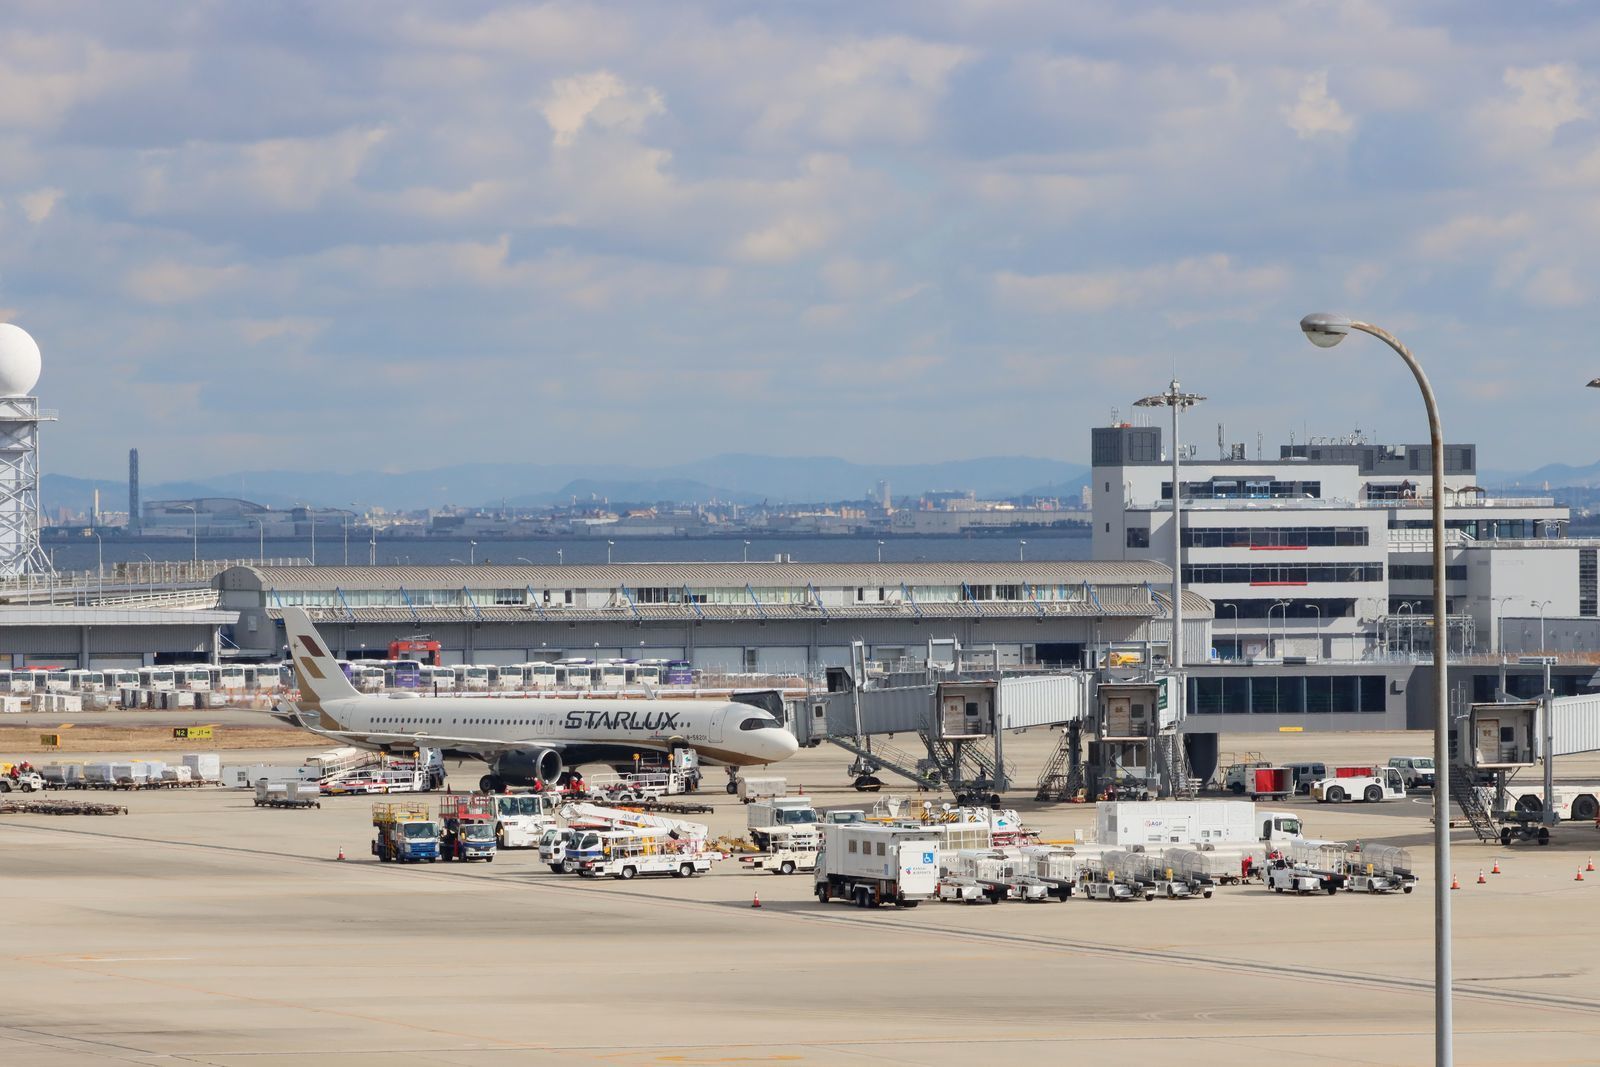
204	766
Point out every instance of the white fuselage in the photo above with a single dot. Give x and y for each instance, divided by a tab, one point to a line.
713	728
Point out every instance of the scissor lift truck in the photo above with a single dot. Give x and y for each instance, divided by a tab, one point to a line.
406	833
467	827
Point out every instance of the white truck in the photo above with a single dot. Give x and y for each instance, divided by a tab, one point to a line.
1163	823
1572	802
790	849
1384	783
773	813
633	851
876	865
520	819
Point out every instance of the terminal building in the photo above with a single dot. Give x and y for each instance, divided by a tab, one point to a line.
768	618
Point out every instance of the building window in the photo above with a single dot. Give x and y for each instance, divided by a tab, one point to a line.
1287	574
1139	536
1275	536
1588	602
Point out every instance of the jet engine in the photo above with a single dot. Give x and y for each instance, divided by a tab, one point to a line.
526	766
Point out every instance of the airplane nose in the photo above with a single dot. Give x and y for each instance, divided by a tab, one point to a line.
786	744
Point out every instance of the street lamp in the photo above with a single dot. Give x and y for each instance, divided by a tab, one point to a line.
747	552
880	551
1178	401
1318	609
261	540
472	552
561	557
1235	608
372	543
194	509
609	546
525	559
1325	331
344	520
1541	605
1021	545
1500	620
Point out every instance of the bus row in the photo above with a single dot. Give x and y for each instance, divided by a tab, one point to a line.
366	675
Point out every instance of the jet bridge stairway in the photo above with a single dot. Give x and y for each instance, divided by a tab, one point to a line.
921	771
1469	796
1062	777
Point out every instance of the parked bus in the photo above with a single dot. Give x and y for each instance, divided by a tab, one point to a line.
368	677
227	677
541	675
119	677
192	678
508	677
442	678
83	681
158	678
471	678
405	673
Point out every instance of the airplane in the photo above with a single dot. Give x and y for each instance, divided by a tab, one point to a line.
525	739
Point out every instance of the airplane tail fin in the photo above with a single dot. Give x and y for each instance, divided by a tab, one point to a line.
319	676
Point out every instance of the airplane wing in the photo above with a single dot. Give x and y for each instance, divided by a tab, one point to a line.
483	745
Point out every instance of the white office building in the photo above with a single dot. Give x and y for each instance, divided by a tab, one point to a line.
1324	551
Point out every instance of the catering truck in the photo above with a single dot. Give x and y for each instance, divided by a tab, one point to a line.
406	833
875	865
1152	823
768	814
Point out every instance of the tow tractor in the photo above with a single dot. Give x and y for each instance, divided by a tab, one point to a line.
1056	867
1380	869
1112	876
1309	867
1181	874
1001	876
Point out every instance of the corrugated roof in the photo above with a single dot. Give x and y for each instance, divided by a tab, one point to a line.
717	575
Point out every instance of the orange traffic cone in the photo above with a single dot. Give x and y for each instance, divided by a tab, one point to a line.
1496	868
1579	876
341	852
1590	865
1481	879
1454	884
755	902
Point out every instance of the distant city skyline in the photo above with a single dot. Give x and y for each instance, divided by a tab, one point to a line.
403	236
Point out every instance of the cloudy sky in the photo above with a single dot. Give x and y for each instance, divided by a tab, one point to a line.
386	234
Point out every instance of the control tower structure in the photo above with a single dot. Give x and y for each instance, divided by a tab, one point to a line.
20	417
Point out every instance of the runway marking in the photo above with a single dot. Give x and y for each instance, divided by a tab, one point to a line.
458	877
124	959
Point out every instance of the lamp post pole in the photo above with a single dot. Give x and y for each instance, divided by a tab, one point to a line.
1177	400
1325	331
1235	608
1541	605
100	563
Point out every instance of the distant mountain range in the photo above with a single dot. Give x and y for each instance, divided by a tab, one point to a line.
1553	474
741	478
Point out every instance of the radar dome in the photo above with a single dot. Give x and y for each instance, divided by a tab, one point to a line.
19	361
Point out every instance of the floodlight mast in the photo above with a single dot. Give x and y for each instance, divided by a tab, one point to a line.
1176	399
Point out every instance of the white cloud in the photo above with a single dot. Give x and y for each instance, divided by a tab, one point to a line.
1315	111
599	99
38	204
1555	287
1203	278
278	174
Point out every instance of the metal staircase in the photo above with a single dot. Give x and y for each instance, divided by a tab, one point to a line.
1469	797
1062	777
922	772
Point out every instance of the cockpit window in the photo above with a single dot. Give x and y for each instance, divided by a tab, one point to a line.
758	722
